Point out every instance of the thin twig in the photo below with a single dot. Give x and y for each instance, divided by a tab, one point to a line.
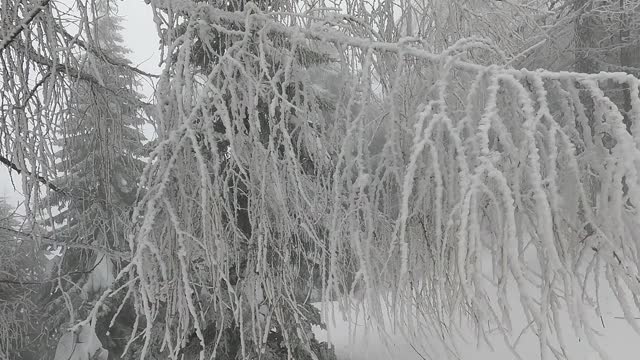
17	282
23	25
50	241
11	165
73	40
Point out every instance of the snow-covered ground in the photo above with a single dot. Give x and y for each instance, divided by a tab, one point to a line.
354	342
617	339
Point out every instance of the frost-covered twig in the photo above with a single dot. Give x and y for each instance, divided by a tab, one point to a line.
24	24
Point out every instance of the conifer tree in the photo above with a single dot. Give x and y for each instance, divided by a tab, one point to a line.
18	273
99	161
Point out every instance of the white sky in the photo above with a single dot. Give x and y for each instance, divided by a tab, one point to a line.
140	36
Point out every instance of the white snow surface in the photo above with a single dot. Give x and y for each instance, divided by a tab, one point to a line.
83	345
352	341
102	275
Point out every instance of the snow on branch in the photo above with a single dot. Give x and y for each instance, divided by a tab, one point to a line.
448	188
24	23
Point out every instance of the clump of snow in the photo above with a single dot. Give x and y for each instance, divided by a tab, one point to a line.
101	277
53	252
82	344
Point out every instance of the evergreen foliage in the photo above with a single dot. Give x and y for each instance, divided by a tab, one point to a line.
99	160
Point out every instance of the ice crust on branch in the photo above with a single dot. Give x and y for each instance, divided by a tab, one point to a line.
446	189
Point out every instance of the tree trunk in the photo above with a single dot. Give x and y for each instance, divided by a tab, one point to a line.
629	57
586	35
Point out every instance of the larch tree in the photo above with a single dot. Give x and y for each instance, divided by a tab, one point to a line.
230	335
426	207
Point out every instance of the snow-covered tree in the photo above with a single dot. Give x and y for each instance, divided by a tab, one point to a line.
98	161
228	335
435	180
489	171
16	277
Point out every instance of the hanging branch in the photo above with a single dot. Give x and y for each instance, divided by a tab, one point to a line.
24	24
97	52
11	165
76	74
476	170
57	278
47	240
477	166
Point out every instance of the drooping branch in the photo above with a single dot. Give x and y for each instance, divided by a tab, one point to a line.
47	240
13	166
482	157
24	24
76	73
75	40
57	278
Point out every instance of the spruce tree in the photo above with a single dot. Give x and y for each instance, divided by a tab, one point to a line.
19	273
99	162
